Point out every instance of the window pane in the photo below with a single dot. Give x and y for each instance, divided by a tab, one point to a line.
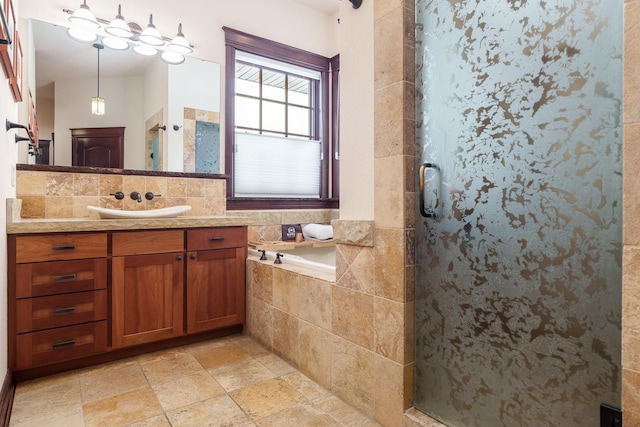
247	112
247	79
299	90
273	116
273	85
299	121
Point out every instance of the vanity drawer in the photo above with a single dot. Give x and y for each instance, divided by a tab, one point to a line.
147	242
57	247
60	277
34	314
216	238
56	345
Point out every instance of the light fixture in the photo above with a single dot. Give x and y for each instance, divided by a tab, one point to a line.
81	35
173	58
118	27
145	50
84	17
151	35
179	43
97	103
115	43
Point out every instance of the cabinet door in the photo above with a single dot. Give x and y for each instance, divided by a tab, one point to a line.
215	289
147	298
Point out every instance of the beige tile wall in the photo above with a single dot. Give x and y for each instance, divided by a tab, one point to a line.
66	195
631	218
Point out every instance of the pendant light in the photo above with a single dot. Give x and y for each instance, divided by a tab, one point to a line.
118	27
97	103
151	35
83	17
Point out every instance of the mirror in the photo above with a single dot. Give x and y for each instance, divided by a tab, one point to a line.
142	94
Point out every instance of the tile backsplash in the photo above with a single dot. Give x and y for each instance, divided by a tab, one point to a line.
46	194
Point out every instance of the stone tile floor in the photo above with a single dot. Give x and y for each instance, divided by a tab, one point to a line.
231	381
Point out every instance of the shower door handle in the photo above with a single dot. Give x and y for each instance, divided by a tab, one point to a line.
434	187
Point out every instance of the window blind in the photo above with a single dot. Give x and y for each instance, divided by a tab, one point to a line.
273	166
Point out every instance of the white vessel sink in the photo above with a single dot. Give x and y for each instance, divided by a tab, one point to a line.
170	212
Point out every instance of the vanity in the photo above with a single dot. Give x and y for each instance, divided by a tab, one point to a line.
86	291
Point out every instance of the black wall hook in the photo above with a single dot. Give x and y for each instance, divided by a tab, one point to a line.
356	3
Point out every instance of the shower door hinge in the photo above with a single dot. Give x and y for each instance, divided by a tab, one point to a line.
610	416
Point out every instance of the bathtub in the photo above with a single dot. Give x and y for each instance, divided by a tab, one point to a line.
319	258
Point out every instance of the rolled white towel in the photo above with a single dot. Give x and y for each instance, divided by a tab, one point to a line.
317	232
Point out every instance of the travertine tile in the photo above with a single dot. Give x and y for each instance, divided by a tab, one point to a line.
389	391
631	108
170	366
177	187
285	336
316	348
631	288
352	375
260	321
308	388
195	187
266	398
35	399
212	358
59	184
352	316
111	379
239	375
187	389
86	184
59	207
285	291
630	185
249	345
389	200
276	365
389	329
66	415
315	301
217	411
157	421
389	266
31	183
388	47
261	277
122	409
300	415
32	206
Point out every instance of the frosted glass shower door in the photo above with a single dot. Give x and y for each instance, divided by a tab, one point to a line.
518	275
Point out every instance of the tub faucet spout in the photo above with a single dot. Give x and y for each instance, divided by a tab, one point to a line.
136	196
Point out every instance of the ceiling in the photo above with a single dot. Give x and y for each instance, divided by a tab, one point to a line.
330	7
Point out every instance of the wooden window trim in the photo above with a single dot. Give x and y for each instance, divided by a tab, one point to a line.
237	40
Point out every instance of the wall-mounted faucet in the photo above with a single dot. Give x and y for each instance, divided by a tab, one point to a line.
136	196
119	195
149	195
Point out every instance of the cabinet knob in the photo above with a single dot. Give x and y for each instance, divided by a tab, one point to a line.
193	256
179	257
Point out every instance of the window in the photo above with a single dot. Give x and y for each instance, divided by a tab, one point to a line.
278	136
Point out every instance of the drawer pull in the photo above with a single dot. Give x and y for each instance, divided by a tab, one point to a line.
216	239
64	310
64	248
64	344
63	277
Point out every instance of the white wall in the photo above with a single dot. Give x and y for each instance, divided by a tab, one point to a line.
205	96
356	112
124	107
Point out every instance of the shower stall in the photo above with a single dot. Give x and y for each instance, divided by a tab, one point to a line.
519	231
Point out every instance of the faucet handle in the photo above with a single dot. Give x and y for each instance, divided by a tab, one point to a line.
136	196
119	195
149	195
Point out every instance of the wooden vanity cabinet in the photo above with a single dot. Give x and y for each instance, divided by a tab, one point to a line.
75	298
147	286
215	288
58	306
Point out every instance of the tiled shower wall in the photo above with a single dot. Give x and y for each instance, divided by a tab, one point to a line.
66	194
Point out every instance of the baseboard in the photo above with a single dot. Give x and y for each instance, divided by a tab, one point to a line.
6	399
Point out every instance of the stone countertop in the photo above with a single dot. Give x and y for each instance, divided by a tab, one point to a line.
16	225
